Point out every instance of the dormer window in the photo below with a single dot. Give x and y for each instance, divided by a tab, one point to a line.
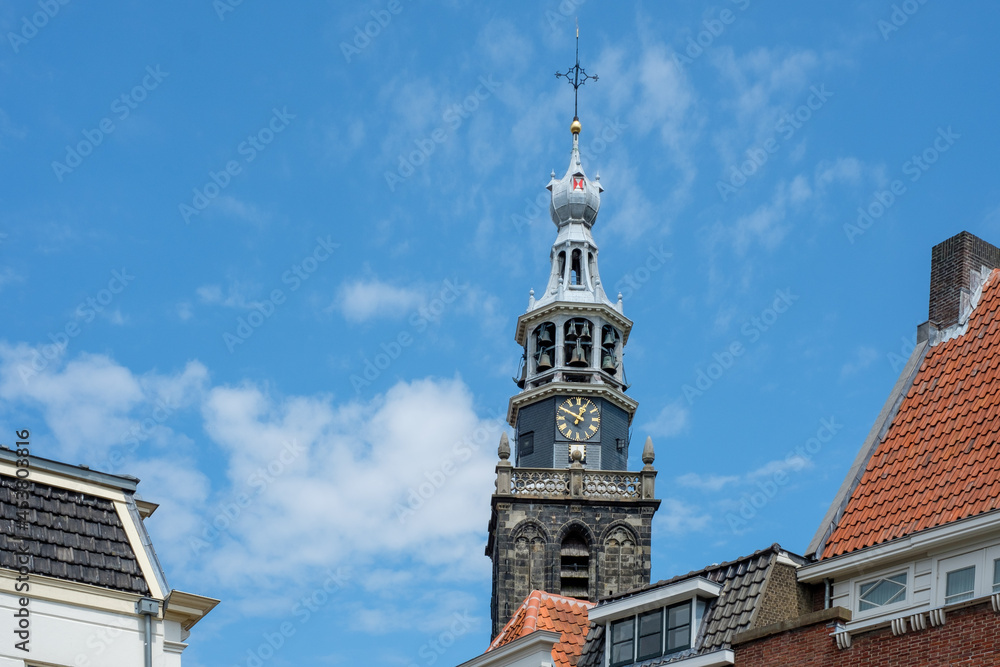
655	622
652	634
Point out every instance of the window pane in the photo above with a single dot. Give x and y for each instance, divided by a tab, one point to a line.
887	590
961	585
679	627
621	655
996	575
621	631
679	615
679	638
622	646
650	635
649	647
650	623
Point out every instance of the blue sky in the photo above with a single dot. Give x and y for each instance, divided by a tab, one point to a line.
273	267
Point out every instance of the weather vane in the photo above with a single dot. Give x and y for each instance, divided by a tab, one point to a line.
576	75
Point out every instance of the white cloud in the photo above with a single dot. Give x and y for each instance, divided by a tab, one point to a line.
864	357
671	420
9	130
848	170
344	138
792	463
413	461
316	474
90	403
235	296
505	45
711	483
210	294
364	300
8	275
766	225
232	207
766	84
676	517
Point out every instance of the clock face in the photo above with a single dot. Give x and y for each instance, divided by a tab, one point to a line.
577	419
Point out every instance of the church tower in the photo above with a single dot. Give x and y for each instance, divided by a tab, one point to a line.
567	517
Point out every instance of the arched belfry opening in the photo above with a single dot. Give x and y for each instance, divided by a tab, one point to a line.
574	566
576	269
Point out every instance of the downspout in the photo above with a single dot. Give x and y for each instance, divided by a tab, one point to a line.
148	607
827	586
149	641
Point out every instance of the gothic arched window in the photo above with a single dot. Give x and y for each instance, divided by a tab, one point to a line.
619	571
529	562
574	566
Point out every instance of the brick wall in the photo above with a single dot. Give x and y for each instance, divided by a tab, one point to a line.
951	262
970	637
783	599
818	596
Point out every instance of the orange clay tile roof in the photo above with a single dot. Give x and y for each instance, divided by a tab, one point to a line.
545	611
940	459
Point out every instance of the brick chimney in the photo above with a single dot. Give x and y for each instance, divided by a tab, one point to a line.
952	264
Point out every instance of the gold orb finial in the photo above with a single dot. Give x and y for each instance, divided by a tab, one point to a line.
575	127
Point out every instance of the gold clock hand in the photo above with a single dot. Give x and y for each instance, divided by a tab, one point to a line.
577	417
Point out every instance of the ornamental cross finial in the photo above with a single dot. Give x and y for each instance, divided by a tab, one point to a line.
576	75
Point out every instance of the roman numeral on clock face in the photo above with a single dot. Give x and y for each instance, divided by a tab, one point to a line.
578	418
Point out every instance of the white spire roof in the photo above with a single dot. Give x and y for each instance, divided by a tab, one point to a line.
575	202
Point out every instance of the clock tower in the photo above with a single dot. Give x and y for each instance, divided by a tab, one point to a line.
567	516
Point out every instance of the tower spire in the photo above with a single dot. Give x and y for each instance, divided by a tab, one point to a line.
562	520
576	76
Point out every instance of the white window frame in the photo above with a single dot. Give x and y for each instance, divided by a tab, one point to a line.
696	611
907	600
982	558
945	565
992	554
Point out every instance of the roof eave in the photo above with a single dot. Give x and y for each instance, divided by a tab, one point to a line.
539	641
117	482
975	528
187	608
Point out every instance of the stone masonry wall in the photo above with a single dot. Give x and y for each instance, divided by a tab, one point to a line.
526	540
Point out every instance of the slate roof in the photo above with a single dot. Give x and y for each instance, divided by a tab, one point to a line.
73	536
939	461
732	612
546	611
